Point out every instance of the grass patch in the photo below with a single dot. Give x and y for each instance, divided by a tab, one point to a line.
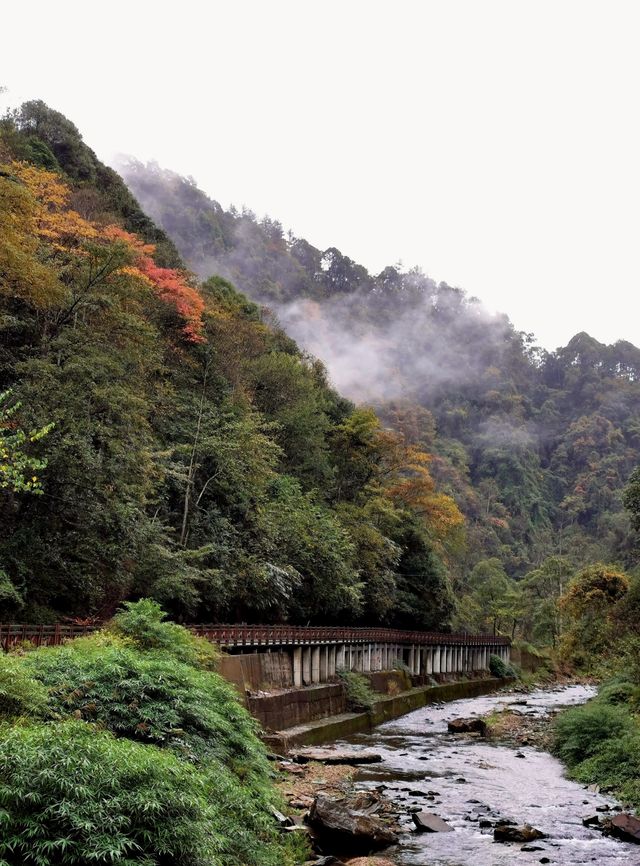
360	695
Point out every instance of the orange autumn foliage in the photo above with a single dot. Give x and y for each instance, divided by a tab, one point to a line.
416	490
64	230
53	219
169	284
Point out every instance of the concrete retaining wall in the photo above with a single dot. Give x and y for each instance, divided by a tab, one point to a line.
346	724
298	706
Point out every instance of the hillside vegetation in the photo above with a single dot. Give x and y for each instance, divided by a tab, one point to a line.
535	447
161	437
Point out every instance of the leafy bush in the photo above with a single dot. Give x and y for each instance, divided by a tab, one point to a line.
20	694
499	668
360	695
582	731
619	691
73	794
397	664
143	622
150	697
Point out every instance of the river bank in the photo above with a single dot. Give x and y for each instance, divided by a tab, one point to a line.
474	783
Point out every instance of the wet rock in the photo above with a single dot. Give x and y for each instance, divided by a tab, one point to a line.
427	822
301	802
591	821
625	827
532	848
467	726
336	756
343	823
328	861
370	861
282	820
520	755
293	769
507	833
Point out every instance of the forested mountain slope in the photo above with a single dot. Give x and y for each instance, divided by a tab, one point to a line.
534	446
160	437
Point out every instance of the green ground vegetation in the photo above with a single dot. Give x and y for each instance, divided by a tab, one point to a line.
126	748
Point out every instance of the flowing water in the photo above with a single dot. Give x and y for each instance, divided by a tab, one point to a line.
464	779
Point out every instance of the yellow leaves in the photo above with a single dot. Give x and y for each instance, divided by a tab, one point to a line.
415	489
53	220
23	274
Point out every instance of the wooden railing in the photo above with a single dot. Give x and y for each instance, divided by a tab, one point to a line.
12	635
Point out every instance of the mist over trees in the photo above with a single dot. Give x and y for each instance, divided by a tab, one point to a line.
162	437
418	462
534	446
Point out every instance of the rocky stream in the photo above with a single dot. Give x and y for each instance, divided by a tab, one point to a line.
472	785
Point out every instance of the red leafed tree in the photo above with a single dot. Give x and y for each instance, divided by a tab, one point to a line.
169	284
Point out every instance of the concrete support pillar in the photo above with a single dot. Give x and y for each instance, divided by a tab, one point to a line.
412	659
428	660
332	661
368	652
340	660
297	666
315	664
324	663
306	665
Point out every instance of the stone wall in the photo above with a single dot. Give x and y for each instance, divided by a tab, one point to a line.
297	706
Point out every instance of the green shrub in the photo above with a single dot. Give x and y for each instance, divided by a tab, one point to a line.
582	731
20	693
499	668
618	691
397	664
143	623
73	794
150	697
360	695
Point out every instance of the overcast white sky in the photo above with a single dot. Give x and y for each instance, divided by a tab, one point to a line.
495	143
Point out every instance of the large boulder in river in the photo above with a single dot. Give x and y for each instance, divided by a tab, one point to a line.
349	824
510	833
625	827
427	822
336	756
370	861
467	726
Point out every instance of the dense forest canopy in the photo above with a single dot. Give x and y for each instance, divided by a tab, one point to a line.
162	437
534	446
